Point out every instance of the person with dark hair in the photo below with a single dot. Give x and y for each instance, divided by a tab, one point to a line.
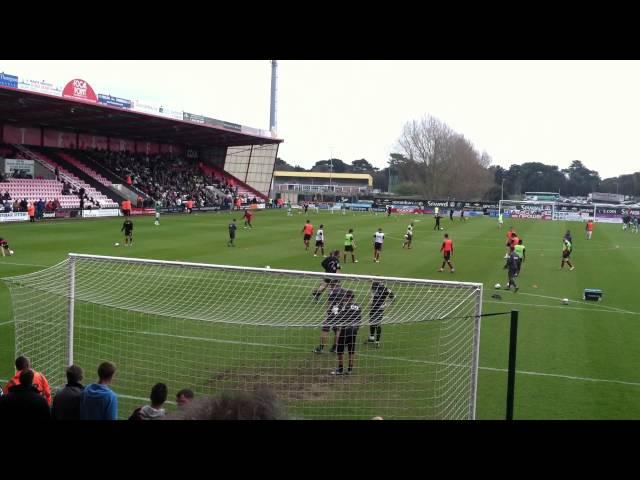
127	228
408	237
158	396
232	233
349	246
66	402
447	252
378	240
98	402
520	251
184	397
320	242
307	231
39	380
331	264
262	404
381	297
334	302
24	401
348	322
512	270
248	216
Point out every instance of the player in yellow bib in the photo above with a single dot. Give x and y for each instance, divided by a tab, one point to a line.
349	246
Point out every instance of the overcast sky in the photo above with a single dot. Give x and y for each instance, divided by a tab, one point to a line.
518	111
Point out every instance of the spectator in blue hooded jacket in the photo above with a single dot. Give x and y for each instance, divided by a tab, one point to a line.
98	402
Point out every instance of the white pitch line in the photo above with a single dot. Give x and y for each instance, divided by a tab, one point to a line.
6	323
564	307
521	372
24	264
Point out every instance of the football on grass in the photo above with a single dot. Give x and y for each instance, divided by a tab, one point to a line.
565	301
116	244
497	286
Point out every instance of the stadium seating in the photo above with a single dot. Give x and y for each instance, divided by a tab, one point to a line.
34	190
91	192
84	168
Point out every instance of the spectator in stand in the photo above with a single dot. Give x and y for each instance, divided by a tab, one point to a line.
98	402
24	205
24	402
184	396
57	174
261	404
39	380
39	209
17	206
129	181
66	402
154	411
31	210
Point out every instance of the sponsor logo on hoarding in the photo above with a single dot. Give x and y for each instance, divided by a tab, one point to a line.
106	212
168	112
80	90
190	117
39	86
7	80
232	126
114	101
14	217
213	122
143	107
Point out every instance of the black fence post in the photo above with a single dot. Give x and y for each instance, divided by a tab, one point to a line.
511	375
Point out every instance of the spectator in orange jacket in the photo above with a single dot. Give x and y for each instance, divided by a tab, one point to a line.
32	212
39	380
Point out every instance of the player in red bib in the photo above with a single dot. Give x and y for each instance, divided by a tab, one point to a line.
447	252
248	216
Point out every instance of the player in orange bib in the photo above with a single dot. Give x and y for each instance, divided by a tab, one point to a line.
307	230
589	229
447	252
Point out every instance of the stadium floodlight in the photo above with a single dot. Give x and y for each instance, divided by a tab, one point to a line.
215	328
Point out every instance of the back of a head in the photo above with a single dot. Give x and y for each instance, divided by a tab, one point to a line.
106	371
26	377
74	374
22	362
159	394
262	404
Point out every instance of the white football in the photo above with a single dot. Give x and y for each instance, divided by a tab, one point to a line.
116	244
497	286
268	266
565	301
10	252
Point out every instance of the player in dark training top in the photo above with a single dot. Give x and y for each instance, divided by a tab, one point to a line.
331	264
232	233
334	303
127	228
381	297
348	322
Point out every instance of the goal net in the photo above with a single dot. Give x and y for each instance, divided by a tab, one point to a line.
215	328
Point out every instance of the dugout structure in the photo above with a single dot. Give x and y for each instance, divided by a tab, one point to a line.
215	328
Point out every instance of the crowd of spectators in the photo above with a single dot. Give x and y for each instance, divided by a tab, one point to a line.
170	180
9	205
28	396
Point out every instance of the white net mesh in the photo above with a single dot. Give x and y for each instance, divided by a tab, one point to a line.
218	328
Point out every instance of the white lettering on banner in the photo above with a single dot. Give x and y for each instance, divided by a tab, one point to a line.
106	212
170	113
14	217
39	86
145	107
13	165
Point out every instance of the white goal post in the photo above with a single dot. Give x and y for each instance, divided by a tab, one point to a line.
214	328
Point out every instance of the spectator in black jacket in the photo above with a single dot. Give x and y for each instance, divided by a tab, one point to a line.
24	402
66	403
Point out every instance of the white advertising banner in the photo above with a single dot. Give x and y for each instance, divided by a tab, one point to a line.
145	107
12	165
39	86
170	113
102	212
14	217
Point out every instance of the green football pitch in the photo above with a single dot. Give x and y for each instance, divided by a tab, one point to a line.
575	361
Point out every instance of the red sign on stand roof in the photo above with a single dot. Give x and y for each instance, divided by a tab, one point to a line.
79	90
